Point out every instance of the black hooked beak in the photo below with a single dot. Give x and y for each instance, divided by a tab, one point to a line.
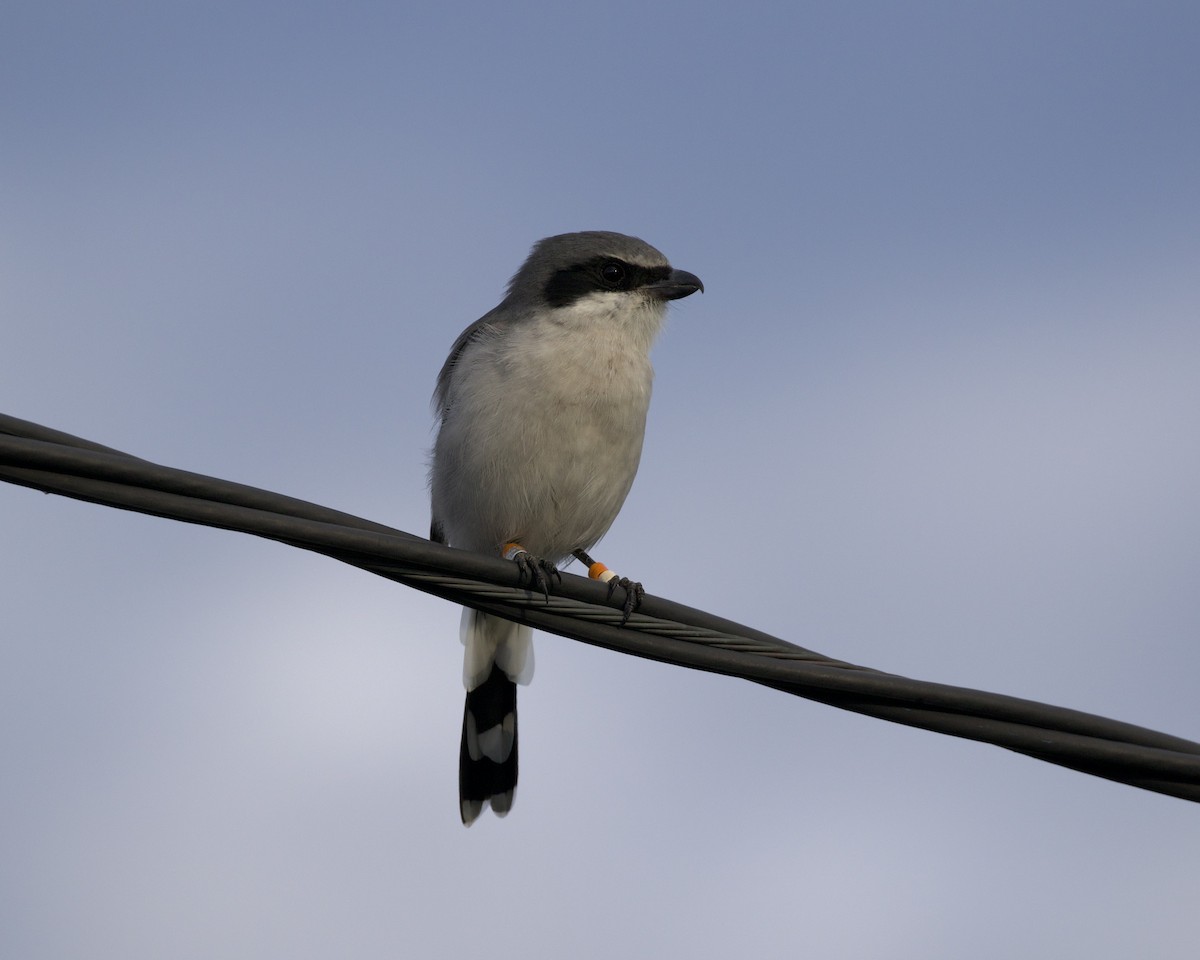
678	285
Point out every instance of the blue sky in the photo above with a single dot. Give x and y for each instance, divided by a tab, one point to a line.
936	413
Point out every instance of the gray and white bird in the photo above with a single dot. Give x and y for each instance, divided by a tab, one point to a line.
542	410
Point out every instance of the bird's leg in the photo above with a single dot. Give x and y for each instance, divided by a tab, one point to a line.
538	571
633	589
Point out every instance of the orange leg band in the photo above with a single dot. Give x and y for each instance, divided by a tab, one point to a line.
598	571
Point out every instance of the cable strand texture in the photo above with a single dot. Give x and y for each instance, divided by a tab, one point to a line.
53	462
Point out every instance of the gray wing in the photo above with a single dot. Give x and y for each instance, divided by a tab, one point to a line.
490	324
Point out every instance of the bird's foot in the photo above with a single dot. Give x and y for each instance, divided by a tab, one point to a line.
633	595
537	571
633	590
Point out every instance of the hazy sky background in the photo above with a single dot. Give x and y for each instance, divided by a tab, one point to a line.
937	413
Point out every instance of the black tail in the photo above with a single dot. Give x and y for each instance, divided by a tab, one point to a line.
487	759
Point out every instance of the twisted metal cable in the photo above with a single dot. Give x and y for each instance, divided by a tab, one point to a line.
54	462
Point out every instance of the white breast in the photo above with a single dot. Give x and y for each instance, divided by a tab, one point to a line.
544	430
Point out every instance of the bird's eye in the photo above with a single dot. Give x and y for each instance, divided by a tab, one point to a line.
613	273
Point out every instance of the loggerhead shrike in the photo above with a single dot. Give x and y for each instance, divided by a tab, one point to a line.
542	409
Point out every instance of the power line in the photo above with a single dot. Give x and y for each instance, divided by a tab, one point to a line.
54	462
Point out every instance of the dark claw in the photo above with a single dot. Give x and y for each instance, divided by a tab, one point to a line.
539	572
633	595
